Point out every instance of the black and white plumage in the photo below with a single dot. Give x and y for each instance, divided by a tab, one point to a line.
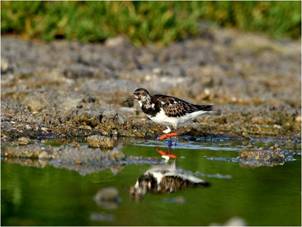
165	179
168	110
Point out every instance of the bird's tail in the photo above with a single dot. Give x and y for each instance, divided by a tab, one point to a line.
205	107
200	184
203	184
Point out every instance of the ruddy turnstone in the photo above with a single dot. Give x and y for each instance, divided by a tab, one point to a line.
168	110
165	179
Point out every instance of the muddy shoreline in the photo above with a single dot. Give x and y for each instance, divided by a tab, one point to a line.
66	89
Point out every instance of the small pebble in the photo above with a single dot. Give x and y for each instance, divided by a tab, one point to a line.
78	162
101	217
4	65
44	129
43	155
23	140
115	41
157	71
177	199
97	141
277	126
85	127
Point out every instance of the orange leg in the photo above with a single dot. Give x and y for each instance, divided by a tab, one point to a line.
166	153
168	135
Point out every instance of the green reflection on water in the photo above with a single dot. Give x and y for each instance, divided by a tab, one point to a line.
50	196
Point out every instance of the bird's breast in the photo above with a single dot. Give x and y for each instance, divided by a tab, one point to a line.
150	110
161	118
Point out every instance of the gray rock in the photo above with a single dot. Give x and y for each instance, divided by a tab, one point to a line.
256	158
27	151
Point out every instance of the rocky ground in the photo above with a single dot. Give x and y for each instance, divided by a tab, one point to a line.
68	89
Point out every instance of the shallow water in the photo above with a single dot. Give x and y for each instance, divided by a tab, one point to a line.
263	195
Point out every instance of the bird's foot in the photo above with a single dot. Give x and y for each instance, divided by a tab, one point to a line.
169	135
171	143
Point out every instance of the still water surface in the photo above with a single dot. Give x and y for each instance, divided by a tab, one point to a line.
259	195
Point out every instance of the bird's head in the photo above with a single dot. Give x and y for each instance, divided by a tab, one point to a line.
144	184
141	95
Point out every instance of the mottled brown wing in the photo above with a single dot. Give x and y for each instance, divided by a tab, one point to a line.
175	107
175	183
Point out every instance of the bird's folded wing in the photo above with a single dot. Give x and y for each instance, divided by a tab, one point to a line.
175	107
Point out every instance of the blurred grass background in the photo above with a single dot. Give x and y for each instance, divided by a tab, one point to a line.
144	22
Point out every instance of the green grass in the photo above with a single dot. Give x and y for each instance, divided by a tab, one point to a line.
143	22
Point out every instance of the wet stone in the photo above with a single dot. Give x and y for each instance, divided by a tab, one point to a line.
255	158
43	155
116	41
101	217
121	119
176	200
108	114
97	141
29	151
23	140
86	118
117	155
108	198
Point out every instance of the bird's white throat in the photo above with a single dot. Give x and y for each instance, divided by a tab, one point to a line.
147	105
140	103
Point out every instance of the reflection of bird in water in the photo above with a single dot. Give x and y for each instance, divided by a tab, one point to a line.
166	154
168	110
165	179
